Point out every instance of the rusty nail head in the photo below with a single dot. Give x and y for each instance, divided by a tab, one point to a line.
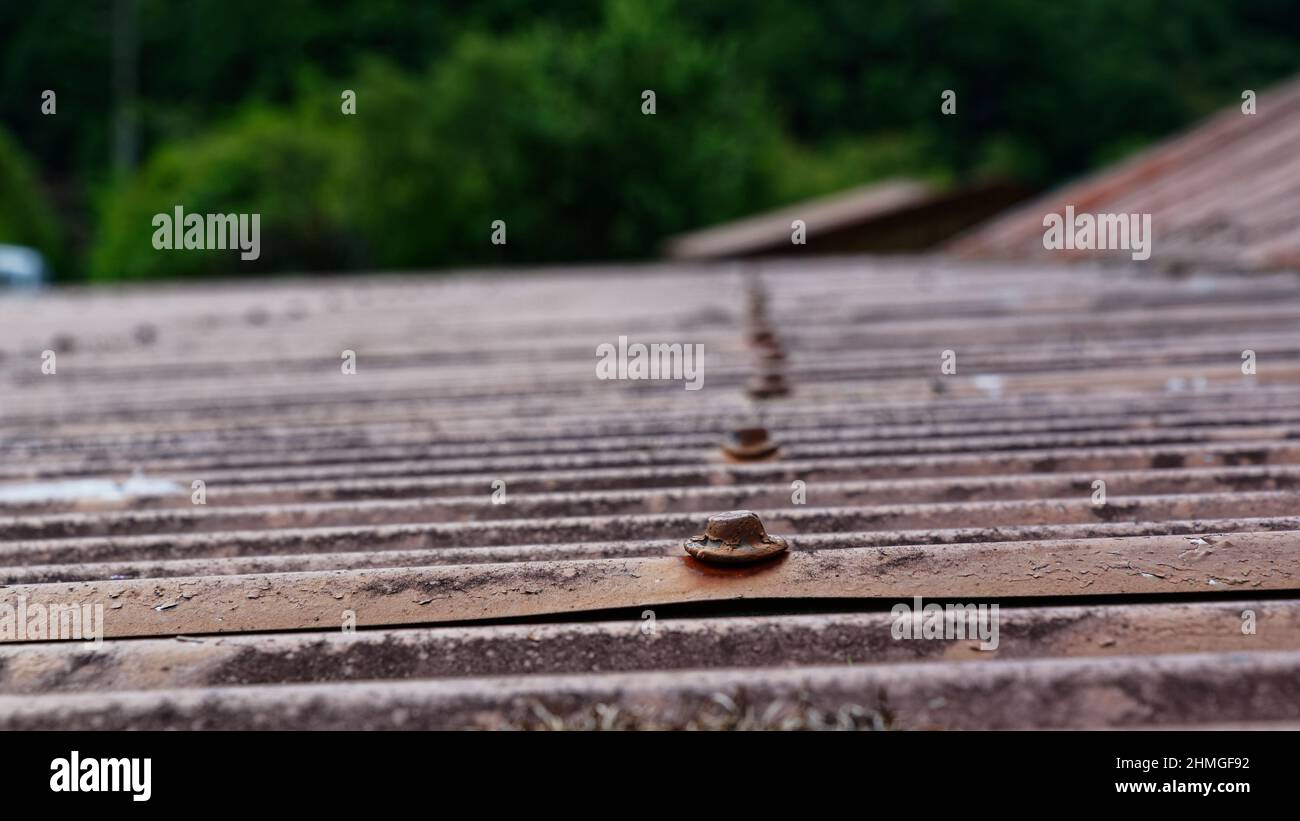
749	443
770	351
768	385
736	537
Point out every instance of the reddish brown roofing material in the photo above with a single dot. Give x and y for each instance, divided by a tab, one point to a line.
372	494
1224	194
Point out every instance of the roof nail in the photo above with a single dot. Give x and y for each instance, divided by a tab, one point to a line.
771	352
767	385
736	537
749	443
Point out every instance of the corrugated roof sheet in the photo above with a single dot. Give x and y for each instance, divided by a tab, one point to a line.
1225	194
764	232
890	216
373	493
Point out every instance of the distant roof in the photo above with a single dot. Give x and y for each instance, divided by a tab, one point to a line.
772	228
1224	194
893	215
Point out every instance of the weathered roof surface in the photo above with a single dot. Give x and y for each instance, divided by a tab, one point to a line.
373	493
1224	194
889	216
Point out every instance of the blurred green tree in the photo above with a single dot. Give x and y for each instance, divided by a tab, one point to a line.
542	131
546	132
266	162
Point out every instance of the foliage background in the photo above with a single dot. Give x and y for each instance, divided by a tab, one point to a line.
530	112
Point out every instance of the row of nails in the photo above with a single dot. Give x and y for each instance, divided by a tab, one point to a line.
769	382
752	443
738	537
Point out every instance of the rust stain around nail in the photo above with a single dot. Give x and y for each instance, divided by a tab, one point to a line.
735	537
749	444
734	570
